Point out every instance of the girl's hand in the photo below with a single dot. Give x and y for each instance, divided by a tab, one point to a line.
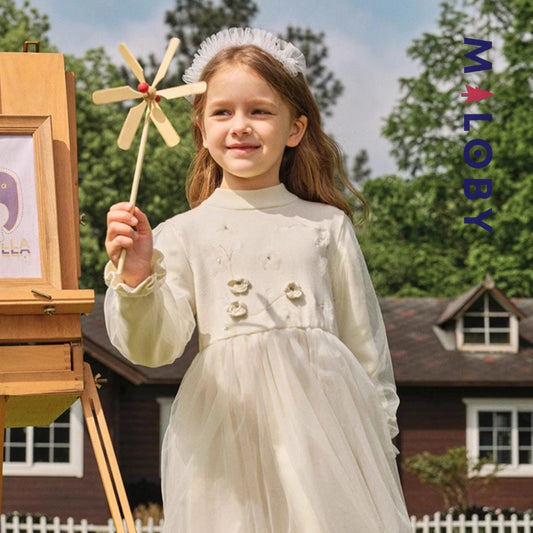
138	244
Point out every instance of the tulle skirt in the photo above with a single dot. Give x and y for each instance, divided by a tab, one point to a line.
280	432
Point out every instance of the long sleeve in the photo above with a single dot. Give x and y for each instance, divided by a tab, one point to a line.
359	318
152	323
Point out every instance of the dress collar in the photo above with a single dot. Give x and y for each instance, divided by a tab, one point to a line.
275	196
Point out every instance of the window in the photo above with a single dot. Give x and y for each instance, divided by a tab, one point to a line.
487	326
55	450
165	407
502	429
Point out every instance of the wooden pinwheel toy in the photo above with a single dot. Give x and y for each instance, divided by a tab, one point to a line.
149	107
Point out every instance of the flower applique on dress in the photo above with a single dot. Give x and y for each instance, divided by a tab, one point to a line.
237	309
293	291
239	286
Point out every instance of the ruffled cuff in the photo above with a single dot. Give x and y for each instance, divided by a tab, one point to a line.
114	280
391	420
392	425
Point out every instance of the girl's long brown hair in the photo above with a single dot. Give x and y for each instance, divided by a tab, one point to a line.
309	170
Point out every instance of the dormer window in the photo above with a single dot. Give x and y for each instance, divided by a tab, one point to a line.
486	322
487	326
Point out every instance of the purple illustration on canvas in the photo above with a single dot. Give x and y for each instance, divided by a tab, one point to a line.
20	254
10	204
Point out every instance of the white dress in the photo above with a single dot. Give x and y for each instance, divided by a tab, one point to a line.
283	422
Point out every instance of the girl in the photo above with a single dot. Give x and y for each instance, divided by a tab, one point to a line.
283	423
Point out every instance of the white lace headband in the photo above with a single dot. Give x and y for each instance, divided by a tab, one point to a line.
291	58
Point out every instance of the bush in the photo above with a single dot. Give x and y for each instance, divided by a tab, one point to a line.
453	474
493	511
144	512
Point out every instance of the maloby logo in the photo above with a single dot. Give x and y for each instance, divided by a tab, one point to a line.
480	148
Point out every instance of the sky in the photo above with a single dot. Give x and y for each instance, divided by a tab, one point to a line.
367	41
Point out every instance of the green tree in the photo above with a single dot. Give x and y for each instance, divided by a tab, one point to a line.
407	251
428	139
454	475
325	86
192	21
19	25
361	170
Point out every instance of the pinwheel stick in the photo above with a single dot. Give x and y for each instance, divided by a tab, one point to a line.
136	177
150	98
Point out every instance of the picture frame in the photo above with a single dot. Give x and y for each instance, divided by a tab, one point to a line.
29	239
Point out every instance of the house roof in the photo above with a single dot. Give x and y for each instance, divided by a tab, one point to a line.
424	355
459	305
421	344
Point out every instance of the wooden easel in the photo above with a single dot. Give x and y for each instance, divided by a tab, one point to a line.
105	455
41	351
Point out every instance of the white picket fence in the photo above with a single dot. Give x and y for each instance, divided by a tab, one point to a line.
485	524
27	524
428	524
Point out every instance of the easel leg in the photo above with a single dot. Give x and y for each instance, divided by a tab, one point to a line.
3	400
105	455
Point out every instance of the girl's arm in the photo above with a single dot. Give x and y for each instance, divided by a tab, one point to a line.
149	310
360	321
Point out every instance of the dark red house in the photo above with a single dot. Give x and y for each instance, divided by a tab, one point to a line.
464	371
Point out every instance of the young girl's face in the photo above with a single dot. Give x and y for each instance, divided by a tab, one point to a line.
246	126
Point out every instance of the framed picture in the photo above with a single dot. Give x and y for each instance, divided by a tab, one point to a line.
29	242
